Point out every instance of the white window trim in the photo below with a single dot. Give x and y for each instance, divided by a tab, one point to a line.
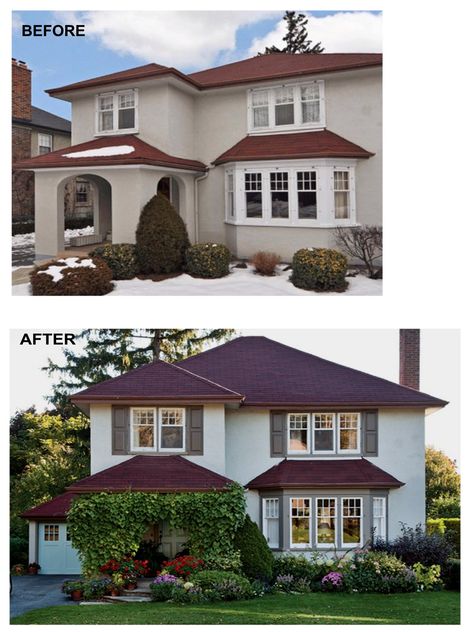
115	131
272	545
325	202
298	110
384	516
160	411
334	426
323	545
352	545
308	433
359	432
310	517
134	448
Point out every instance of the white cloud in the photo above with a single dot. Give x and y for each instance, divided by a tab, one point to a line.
358	32
16	21
183	39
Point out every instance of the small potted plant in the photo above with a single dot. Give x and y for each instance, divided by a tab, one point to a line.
33	568
18	569
75	589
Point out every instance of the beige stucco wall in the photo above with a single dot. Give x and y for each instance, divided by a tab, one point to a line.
59	140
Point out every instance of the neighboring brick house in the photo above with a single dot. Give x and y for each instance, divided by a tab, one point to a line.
327	454
36	132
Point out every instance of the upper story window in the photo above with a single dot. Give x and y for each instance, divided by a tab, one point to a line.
324	432
151	432
286	107
325	428
349	432
298	436
45	143
143	429
172	429
117	111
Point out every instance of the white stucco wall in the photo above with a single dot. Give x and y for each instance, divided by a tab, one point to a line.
101	440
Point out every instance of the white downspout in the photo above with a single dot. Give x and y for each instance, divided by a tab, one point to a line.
196	202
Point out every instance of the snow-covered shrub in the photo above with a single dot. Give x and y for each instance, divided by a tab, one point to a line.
161	238
265	262
319	269
208	261
74	276
121	259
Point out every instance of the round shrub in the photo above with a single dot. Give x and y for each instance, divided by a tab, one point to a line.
74	276
319	269
161	238
255	555
378	572
208	261
222	585
121	259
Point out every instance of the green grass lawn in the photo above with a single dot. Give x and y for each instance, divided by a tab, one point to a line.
315	608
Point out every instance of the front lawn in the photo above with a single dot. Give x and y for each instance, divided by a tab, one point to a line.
315	608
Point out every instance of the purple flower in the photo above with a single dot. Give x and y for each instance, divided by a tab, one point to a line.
165	579
334	578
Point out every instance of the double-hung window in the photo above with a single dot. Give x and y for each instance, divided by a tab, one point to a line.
253	195
230	194
307	201
342	195
300	528
260	109
379	517
349	432
271	524
279	194
284	106
324	432
45	143
326	522
117	111
310	103
143	431
172	429
298	433
351	522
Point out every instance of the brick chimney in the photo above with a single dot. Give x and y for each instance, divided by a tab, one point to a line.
410	358
21	90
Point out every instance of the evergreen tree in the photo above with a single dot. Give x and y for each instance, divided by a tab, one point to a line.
111	352
296	37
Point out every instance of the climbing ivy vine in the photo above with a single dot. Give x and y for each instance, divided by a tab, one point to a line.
105	526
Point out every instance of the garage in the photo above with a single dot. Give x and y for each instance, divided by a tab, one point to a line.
56	555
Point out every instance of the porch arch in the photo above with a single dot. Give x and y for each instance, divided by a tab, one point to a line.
173	188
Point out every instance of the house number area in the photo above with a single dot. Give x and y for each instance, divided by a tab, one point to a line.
57	30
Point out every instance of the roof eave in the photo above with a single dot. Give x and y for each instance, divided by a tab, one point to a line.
351	485
300	156
427	405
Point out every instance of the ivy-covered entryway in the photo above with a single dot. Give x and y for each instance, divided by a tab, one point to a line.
106	526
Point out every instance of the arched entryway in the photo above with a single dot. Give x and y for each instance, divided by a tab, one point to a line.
169	186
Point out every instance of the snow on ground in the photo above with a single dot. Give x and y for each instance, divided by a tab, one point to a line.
240	282
23	246
115	150
71	262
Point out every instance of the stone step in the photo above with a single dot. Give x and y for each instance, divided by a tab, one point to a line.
127	599
142	592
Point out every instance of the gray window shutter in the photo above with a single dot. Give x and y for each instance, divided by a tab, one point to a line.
370	427
278	433
120	429
195	430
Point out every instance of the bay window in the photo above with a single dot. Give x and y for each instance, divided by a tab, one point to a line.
324	428
326	516
349	432
172	429
341	195
379	517
253	194
271	521
117	111
300	528
307	201
298	440
230	194
351	521
143	435
279	193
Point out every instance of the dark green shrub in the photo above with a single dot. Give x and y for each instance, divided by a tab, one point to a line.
207	579
256	557
414	545
121	259
451	574
161	238
223	585
298	566
452	532
18	550
378	572
92	279
319	269
208	261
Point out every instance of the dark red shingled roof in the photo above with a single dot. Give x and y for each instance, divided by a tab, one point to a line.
157	381
269	373
322	144
55	509
143	154
260	68
324	474
153	474
279	65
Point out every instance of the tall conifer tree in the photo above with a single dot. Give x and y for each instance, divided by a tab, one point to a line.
296	37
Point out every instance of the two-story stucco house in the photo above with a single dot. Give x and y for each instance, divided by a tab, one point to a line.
268	153
327	454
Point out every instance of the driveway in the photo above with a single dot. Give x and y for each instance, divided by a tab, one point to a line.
38	591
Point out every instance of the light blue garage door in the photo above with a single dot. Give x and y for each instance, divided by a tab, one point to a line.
56	555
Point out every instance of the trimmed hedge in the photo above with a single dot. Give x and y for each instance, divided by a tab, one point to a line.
208	261
161	238
319	269
121	259
255	554
79	281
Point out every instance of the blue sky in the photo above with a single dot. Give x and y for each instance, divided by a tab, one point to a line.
57	61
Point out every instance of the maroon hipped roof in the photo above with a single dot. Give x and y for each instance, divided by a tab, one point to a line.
324	473
158	381
320	144
142	154
55	509
259	68
153	474
271	374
